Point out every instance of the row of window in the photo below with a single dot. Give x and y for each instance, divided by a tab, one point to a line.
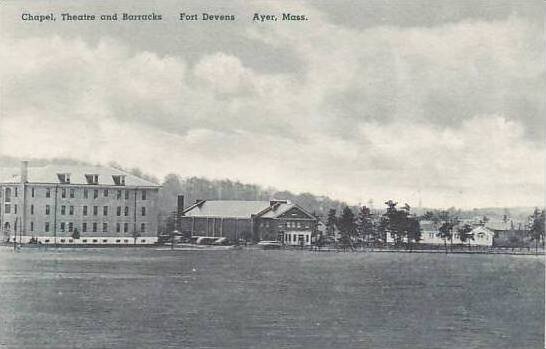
95	241
287	224
295	238
92	227
70	210
71	193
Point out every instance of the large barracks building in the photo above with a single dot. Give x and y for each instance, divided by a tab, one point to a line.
58	204
278	220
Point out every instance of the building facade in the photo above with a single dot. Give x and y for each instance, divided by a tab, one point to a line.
479	236
77	205
275	220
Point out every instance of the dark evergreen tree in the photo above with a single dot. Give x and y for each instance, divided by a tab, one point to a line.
347	228
400	225
465	233
536	230
365	226
331	223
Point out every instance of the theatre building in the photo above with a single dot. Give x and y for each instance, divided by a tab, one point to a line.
58	204
278	220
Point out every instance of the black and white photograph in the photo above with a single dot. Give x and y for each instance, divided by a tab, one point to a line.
272	174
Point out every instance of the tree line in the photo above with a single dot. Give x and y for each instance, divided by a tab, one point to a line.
403	228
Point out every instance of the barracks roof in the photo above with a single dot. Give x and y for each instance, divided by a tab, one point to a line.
49	174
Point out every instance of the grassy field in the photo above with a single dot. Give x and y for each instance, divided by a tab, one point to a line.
128	298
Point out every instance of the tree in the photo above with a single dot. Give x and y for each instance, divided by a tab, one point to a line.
76	234
400	224
445	232
413	231
331	223
536	231
347	227
465	233
364	225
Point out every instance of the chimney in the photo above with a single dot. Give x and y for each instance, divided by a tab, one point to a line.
180	205
24	171
274	202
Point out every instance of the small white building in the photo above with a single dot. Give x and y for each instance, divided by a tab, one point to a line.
430	234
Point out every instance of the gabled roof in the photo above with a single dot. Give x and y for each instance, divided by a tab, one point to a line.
278	210
48	174
240	209
482	229
226	208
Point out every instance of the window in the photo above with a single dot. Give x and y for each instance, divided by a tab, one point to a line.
84	227
95	210
48	193
71	210
118	211
95	194
126	240
95	241
126	194
92	178
144	195
46	240
126	210
7	208
85	210
62	227
84	241
47	209
63	210
64	178
72	193
46	227
31	209
16	191
118	241
32	192
306	238
70	227
143	211
104	241
143	227
63	193
125	227
15	208
118	195
104	227
119	179
31	226
105	193
143	240
105	211
118	227
7	196
85	193
70	240
94	227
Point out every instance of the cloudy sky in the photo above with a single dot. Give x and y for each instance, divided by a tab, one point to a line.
439	100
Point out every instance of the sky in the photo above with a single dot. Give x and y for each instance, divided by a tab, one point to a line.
438	103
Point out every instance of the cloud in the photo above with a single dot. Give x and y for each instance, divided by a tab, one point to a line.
450	113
